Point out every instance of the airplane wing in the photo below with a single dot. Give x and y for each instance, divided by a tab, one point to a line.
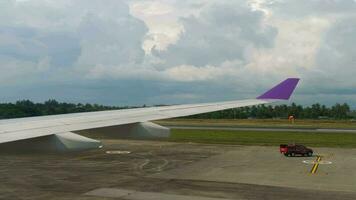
56	131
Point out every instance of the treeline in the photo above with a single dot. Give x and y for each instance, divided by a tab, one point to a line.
316	111
27	108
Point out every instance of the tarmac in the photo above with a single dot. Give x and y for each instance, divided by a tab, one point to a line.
144	170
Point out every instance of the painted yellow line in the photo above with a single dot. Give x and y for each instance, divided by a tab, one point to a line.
316	165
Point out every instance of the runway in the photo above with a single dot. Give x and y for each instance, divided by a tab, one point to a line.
129	169
308	130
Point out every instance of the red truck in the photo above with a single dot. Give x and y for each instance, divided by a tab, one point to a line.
295	149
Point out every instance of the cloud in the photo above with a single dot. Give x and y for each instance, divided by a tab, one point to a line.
220	33
26	51
176	51
116	41
162	21
321	37
307	8
336	57
71	37
190	73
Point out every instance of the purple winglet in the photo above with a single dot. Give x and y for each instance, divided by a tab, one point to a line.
282	91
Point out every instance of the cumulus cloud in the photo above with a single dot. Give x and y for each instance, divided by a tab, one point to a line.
306	8
72	36
322	42
336	57
162	21
197	50
218	34
111	42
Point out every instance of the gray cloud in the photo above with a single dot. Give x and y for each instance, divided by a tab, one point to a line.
89	51
21	43
67	38
304	8
336	57
116	41
63	48
220	33
330	78
31	44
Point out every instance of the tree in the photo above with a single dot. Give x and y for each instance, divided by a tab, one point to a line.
26	108
340	111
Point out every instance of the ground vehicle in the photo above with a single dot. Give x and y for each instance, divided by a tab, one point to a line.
295	149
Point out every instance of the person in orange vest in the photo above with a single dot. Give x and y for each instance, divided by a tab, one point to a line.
291	119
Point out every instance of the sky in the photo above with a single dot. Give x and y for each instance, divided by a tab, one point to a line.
135	52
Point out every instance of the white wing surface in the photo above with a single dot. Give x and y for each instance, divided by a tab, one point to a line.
34	127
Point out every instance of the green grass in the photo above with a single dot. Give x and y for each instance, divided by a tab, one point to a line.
344	140
268	123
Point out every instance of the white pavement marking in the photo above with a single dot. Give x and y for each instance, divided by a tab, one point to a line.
144	164
312	162
136	195
165	163
118	152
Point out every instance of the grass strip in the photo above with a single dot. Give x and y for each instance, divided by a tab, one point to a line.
262	138
262	123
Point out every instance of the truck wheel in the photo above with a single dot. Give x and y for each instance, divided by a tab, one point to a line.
286	154
310	154
292	154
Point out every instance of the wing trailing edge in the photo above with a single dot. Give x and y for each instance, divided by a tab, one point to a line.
56	132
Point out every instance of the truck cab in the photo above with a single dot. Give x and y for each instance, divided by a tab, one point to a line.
295	149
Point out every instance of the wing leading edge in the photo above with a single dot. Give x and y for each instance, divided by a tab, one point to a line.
34	127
